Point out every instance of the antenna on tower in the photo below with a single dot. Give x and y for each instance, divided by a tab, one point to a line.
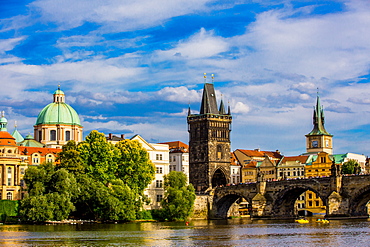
213	78
205	77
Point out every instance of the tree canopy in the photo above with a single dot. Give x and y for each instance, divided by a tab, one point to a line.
178	201
94	180
351	167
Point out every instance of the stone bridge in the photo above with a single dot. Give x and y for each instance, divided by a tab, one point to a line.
343	196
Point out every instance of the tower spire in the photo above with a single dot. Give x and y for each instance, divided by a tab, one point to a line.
318	118
222	107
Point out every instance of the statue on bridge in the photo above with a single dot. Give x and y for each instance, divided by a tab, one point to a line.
335	169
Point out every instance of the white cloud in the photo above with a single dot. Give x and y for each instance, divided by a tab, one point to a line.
9	44
240	107
115	15
179	94
201	45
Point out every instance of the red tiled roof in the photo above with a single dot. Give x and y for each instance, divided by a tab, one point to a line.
176	145
251	164
41	151
301	158
259	153
6	139
233	160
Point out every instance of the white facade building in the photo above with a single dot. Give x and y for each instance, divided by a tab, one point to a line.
159	155
179	157
235	170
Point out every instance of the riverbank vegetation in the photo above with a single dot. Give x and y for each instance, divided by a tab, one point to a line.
94	180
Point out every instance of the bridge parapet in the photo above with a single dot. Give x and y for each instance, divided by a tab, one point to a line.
342	196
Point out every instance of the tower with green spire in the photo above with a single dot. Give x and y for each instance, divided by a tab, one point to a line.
3	122
209	142
319	140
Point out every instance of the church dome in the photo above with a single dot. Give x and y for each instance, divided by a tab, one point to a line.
58	112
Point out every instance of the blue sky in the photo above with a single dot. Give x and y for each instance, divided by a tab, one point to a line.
133	66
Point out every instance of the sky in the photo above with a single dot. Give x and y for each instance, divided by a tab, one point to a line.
134	66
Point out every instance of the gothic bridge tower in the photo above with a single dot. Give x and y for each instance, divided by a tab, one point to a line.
209	142
319	140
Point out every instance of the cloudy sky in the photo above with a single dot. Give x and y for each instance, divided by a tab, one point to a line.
134	66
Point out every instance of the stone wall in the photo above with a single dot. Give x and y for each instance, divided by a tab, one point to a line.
202	206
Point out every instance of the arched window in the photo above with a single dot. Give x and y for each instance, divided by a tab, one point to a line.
9	196
53	135
68	135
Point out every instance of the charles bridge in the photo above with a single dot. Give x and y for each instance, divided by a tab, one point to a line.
343	196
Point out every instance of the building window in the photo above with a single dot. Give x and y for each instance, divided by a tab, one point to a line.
159	198
68	135
35	160
22	171
158	183
158	157
9	196
9	176
40	135
219	152
159	169
53	135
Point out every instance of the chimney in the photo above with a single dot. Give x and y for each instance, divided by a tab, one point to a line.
110	136
122	136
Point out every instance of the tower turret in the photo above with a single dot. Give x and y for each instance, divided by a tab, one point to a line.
209	142
319	140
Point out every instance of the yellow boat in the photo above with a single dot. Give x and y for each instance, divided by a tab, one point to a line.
302	221
324	221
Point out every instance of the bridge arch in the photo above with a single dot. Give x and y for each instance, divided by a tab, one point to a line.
358	203
283	205
225	202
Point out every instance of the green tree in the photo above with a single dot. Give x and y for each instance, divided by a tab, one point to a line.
178	201
49	193
351	167
70	158
134	166
99	156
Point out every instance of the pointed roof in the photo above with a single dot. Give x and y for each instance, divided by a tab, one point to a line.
29	141
209	103
18	137
222	108
318	120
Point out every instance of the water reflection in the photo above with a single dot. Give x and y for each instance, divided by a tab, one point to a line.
235	232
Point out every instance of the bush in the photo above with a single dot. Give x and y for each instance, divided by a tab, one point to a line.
8	208
144	215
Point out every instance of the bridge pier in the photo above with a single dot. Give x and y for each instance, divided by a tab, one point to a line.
337	206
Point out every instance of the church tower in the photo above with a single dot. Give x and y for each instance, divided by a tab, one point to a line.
209	142
319	140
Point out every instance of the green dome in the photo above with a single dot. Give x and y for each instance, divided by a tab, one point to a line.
58	113
58	91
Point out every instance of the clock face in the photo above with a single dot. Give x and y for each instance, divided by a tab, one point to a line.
315	144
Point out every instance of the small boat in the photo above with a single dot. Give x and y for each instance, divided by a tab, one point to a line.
302	221
323	221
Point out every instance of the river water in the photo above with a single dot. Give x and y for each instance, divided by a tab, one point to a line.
232	232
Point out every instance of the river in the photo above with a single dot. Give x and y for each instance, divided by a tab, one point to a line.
232	232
